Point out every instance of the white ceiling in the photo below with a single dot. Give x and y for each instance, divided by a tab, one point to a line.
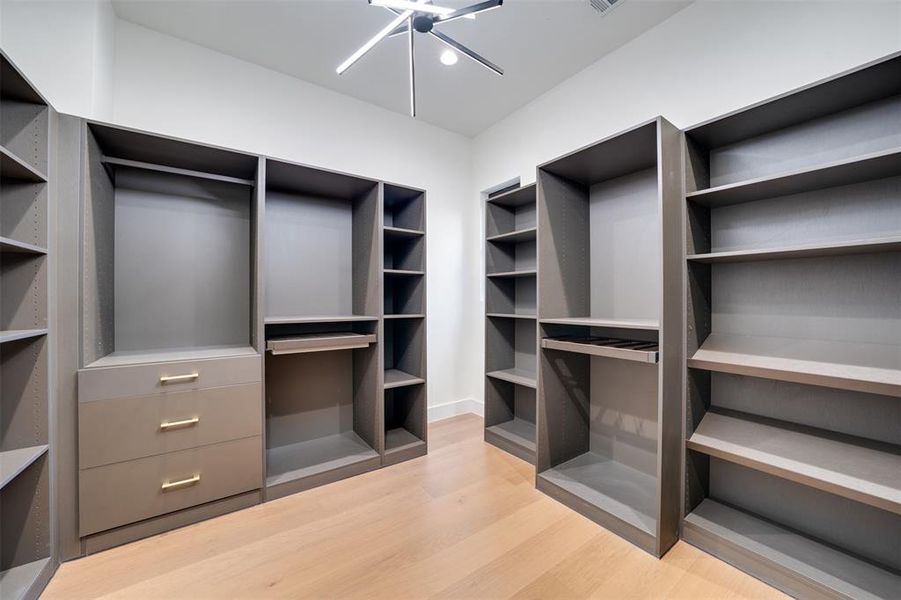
538	43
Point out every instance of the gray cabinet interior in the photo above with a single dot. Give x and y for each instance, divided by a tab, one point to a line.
511	266
793	420
609	318
28	549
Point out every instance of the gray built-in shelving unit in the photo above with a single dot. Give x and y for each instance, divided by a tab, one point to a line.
511	315
28	555
610	318
793	390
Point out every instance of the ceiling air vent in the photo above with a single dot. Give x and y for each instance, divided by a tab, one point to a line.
603	6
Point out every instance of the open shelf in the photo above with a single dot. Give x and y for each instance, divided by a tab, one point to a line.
11	335
510	316
399	439
850	467
876	165
318	342
405	423
17	247
872	368
13	462
640	351
515	274
644	324
399	233
515	431
13	167
404	316
403	273
522	196
300	320
306	459
124	357
514	375
18	581
866	246
395	378
511	237
621	491
792	561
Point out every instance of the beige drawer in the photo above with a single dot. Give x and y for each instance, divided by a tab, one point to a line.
105	383
122	493
129	428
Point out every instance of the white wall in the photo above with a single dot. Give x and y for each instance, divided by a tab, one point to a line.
64	47
710	58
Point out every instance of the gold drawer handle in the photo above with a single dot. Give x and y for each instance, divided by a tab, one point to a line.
184	423
171	485
178	378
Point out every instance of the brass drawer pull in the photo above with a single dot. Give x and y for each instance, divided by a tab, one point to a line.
179	378
172	485
184	423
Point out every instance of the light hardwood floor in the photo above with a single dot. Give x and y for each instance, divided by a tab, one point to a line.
463	522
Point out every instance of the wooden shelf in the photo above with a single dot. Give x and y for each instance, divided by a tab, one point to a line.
643	324
876	165
300	320
520	235
25	580
395	378
514	274
887	244
403	273
11	246
305	459
133	357
13	462
416	316
777	555
13	167
319	342
517	376
646	352
111	163
510	316
399	439
623	492
830	462
516	431
871	368
519	197
400	233
11	335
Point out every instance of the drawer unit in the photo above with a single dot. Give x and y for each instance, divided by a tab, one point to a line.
105	383
123	429
126	492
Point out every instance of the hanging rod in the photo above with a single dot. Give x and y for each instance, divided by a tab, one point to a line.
135	164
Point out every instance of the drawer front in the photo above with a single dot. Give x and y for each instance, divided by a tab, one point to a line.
129	428
126	492
106	383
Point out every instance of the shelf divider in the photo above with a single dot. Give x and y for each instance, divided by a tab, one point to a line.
11	335
395	378
8	245
867	246
13	167
13	462
515	274
517	376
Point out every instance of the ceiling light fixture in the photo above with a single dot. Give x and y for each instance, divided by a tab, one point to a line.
422	16
449	58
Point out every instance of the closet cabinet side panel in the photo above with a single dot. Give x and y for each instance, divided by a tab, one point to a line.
97	252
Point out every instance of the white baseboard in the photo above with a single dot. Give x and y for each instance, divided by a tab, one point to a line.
457	407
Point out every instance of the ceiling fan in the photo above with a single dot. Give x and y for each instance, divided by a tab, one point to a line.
422	16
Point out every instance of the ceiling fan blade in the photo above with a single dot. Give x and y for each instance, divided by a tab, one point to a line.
470	53
371	43
469	10
414	6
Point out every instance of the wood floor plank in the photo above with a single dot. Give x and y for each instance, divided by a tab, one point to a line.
463	522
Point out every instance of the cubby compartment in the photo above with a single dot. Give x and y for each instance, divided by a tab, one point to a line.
793	232
510	256
609	221
510	416
404	210
24	124
322	244
173	221
511	215
404	254
24	418
23	216
404	296
321	406
404	355
510	346
405	423
511	296
23	296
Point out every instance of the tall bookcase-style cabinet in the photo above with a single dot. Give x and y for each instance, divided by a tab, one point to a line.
28	555
793	390
609	318
511	340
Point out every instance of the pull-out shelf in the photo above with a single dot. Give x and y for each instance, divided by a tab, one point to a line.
319	342
646	352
